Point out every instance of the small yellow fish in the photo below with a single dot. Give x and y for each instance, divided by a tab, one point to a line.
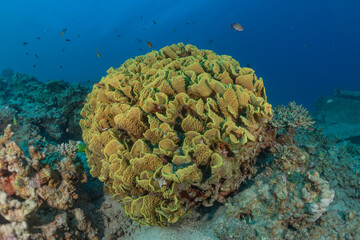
62	32
14	120
98	53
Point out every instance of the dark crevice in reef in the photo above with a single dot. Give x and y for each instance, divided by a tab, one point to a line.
263	159
3	220
206	172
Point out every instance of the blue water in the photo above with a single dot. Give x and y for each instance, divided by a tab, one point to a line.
302	49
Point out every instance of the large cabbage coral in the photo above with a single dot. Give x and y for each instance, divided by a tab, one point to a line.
174	129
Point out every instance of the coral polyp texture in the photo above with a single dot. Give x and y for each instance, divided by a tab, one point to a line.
174	129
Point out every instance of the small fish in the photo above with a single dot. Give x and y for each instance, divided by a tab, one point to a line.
118	36
68	40
81	146
63	50
187	23
61	66
25	43
26	53
141	17
149	44
248	65
174	30
78	36
34	65
237	27
154	22
37	56
330	101
307	45
14	120
99	84
63	32
211	41
98	53
38	38
139	40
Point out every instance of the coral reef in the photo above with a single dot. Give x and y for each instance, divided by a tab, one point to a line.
28	187
174	129
293	201
287	199
6	116
29	179
52	107
296	183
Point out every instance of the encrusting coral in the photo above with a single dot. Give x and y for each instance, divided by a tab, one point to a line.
174	129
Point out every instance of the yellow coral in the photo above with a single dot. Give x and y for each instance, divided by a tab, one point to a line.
171	125
202	154
190	123
131	121
191	174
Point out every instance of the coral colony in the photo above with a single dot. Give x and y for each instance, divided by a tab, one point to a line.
168	132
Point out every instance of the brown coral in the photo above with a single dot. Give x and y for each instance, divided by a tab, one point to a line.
26	185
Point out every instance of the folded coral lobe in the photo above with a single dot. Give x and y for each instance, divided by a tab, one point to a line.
174	129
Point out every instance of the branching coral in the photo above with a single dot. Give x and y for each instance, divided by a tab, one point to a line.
67	150
291	116
288	119
174	129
